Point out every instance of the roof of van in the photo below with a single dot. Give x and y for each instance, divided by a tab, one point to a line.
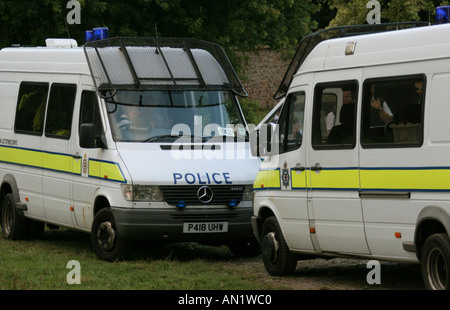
315	47
133	64
380	48
43	59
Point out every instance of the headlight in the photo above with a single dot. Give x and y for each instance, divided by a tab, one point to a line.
248	193
141	193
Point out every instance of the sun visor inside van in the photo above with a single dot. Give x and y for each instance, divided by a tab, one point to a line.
160	64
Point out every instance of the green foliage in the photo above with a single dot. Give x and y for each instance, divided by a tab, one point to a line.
355	12
252	110
242	24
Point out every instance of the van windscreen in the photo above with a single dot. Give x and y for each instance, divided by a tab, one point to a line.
167	116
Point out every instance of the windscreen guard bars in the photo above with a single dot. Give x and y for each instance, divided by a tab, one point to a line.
160	64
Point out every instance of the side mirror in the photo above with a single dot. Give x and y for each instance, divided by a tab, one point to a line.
261	143
89	139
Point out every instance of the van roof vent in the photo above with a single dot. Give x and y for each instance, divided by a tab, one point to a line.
64	43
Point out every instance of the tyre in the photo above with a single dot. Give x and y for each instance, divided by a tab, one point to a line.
106	241
436	262
14	226
277	257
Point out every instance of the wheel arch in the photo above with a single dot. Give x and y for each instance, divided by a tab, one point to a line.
431	220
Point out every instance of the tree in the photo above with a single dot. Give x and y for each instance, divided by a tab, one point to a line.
243	24
354	12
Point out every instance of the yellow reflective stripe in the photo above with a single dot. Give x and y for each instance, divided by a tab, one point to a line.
406	179
94	168
76	166
105	170
57	162
21	156
60	162
111	171
298	179
347	178
267	179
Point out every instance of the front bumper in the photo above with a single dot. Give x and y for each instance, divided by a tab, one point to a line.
167	224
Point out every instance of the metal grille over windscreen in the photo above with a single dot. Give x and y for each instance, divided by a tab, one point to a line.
160	64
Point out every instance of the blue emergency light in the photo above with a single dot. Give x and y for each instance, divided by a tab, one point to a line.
232	203
99	33
181	204
442	14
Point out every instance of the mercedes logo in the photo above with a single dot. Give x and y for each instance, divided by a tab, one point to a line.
205	194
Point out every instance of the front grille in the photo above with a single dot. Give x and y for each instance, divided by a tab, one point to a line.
222	194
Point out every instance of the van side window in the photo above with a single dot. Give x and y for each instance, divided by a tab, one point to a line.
30	111
392	111
60	110
334	115
90	112
290	124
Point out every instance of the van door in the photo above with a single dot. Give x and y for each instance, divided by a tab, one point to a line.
397	170
57	162
85	187
290	161
336	217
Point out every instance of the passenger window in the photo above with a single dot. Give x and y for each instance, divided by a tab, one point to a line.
90	112
290	124
392	111
30	111
60	110
334	114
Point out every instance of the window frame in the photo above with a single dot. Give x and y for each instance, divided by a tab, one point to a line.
19	98
285	116
52	87
316	115
365	115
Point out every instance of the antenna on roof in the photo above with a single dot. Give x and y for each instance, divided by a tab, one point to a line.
67	28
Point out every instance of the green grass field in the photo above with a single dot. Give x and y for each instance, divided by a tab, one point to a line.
42	265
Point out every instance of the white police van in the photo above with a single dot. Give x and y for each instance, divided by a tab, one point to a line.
375	186
127	139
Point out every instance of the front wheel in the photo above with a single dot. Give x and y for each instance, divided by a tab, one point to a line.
277	257
14	226
436	262
105	239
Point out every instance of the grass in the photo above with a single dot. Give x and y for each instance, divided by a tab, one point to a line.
42	265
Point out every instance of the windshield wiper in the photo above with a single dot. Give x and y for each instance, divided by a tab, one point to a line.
169	138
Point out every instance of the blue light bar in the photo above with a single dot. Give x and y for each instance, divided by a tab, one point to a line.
88	35
442	14
99	33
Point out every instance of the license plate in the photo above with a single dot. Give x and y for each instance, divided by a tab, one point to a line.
205	227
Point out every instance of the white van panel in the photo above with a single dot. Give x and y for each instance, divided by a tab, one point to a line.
8	103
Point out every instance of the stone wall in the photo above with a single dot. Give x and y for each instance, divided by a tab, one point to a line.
262	75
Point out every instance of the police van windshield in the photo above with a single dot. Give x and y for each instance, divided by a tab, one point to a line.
169	116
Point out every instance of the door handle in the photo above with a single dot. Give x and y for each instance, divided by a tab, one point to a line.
316	167
298	168
76	156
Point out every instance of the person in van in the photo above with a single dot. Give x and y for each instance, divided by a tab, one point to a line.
380	113
344	133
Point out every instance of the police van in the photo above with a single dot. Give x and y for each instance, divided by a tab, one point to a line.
126	139
376	185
